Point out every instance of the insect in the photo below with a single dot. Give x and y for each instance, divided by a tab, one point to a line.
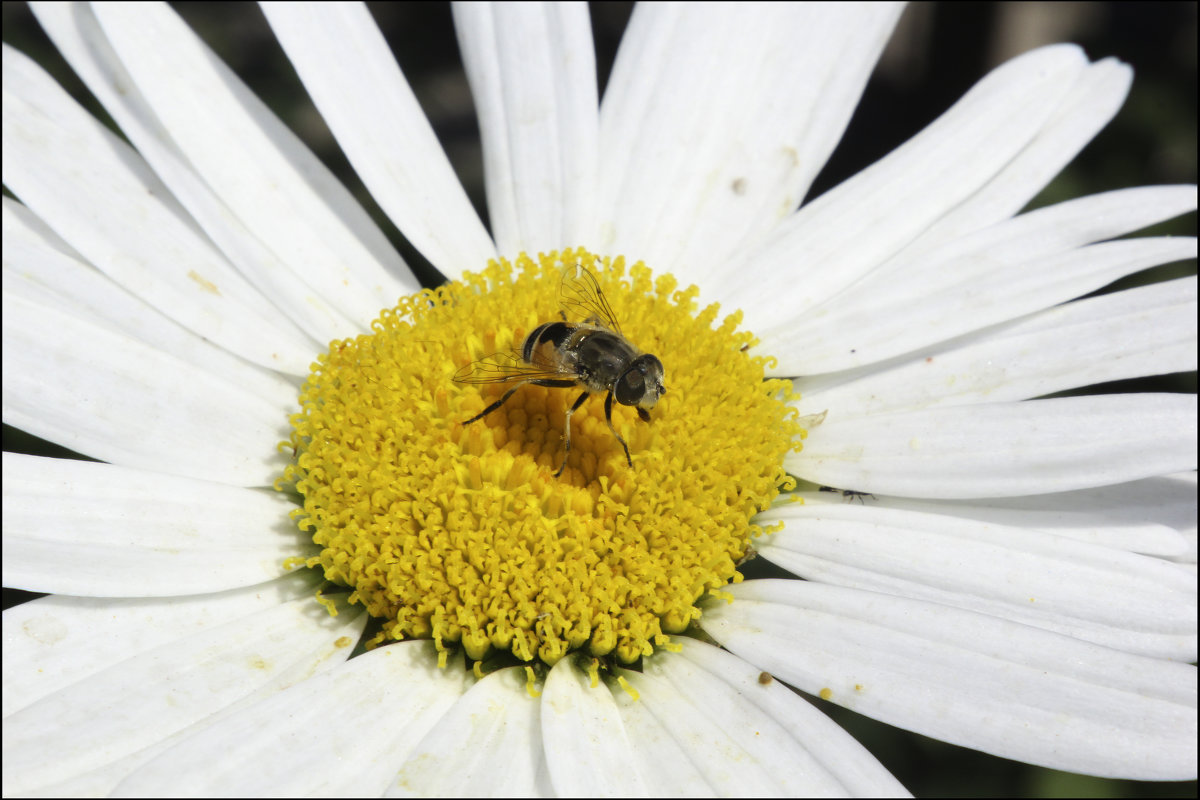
851	494
592	354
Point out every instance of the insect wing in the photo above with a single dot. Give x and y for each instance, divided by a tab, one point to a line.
580	292
505	368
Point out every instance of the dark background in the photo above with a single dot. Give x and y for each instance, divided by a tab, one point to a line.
938	52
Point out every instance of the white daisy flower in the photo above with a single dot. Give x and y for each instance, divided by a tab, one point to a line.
556	590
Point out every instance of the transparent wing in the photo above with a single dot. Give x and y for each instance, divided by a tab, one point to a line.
580	293
506	368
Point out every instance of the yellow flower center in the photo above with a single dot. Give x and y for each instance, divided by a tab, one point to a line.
462	532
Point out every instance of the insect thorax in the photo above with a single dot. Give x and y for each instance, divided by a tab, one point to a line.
598	357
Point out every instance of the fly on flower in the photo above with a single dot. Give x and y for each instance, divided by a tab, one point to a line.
592	354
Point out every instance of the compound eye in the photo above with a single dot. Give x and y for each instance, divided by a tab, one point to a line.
630	387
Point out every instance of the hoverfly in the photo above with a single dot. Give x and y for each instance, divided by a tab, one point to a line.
592	354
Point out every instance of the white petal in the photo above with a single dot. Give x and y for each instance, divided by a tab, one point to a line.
1150	330
1188	558
95	530
1097	594
1151	516
139	702
396	693
751	734
96	193
78	36
354	81
1004	449
489	742
53	642
1052	230
109	397
969	679
1186	521
735	746
1017	267
715	122
532	72
261	171
587	749
1092	102
660	757
853	228
41	267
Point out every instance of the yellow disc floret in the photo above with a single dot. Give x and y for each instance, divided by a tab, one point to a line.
463	534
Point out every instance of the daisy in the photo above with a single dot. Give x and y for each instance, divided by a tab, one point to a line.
290	476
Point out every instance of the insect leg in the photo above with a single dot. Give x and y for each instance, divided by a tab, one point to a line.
535	381
567	433
495	405
608	416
